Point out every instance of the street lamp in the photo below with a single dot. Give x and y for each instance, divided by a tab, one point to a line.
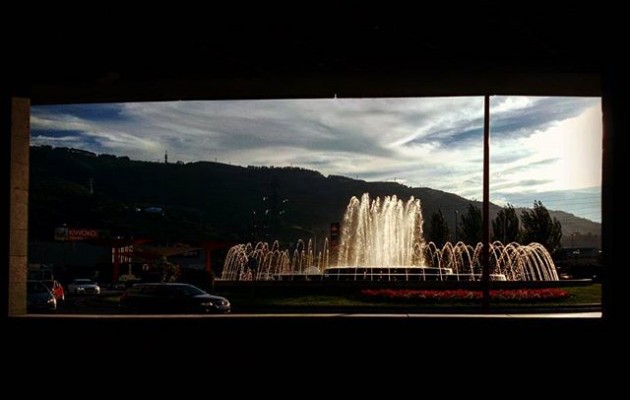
504	228
456	214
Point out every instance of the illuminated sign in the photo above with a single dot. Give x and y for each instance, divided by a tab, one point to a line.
64	233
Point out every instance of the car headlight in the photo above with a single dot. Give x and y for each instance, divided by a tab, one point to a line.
208	304
51	300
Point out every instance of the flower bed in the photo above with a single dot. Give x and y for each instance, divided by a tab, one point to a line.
502	295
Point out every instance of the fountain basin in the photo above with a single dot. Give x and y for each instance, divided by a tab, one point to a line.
401	273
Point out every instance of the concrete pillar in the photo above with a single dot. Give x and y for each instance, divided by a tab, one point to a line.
18	206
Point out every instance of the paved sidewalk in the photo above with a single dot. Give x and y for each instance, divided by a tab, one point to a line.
589	315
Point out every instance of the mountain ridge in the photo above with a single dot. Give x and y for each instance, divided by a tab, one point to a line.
208	200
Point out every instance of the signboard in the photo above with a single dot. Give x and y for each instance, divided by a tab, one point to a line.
82	234
64	233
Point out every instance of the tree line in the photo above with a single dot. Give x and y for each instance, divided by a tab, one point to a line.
535	225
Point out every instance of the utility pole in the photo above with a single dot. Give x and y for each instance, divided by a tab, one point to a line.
456	213
485	250
504	228
254	228
274	207
273	210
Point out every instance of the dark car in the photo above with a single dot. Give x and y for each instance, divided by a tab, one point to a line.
39	297
171	298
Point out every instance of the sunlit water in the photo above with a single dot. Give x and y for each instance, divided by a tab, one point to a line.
383	240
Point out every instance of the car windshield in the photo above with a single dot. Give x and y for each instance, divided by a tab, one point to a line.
194	291
36	287
187	290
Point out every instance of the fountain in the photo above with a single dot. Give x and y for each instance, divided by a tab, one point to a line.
382	240
511	262
263	262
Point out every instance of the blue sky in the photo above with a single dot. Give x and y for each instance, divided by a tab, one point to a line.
546	149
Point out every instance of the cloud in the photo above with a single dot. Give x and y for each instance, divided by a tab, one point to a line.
58	141
520	116
565	154
537	142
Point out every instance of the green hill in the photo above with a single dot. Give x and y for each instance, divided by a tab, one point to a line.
207	200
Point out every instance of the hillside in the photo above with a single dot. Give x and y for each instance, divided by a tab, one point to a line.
208	200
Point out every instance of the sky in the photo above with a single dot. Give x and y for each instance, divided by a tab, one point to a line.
542	148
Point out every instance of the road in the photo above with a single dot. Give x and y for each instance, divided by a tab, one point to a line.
105	303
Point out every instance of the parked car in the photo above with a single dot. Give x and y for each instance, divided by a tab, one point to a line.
39	297
118	285
83	286
172	298
125	281
57	290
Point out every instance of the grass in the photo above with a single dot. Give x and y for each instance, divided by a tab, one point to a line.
580	295
590	294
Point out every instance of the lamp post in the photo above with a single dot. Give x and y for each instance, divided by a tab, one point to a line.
456	214
504	228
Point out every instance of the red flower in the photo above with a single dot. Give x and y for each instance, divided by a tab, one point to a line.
499	295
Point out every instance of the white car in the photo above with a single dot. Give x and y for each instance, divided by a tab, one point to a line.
83	286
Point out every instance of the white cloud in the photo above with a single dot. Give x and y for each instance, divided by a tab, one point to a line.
566	155
510	104
432	142
58	141
64	122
